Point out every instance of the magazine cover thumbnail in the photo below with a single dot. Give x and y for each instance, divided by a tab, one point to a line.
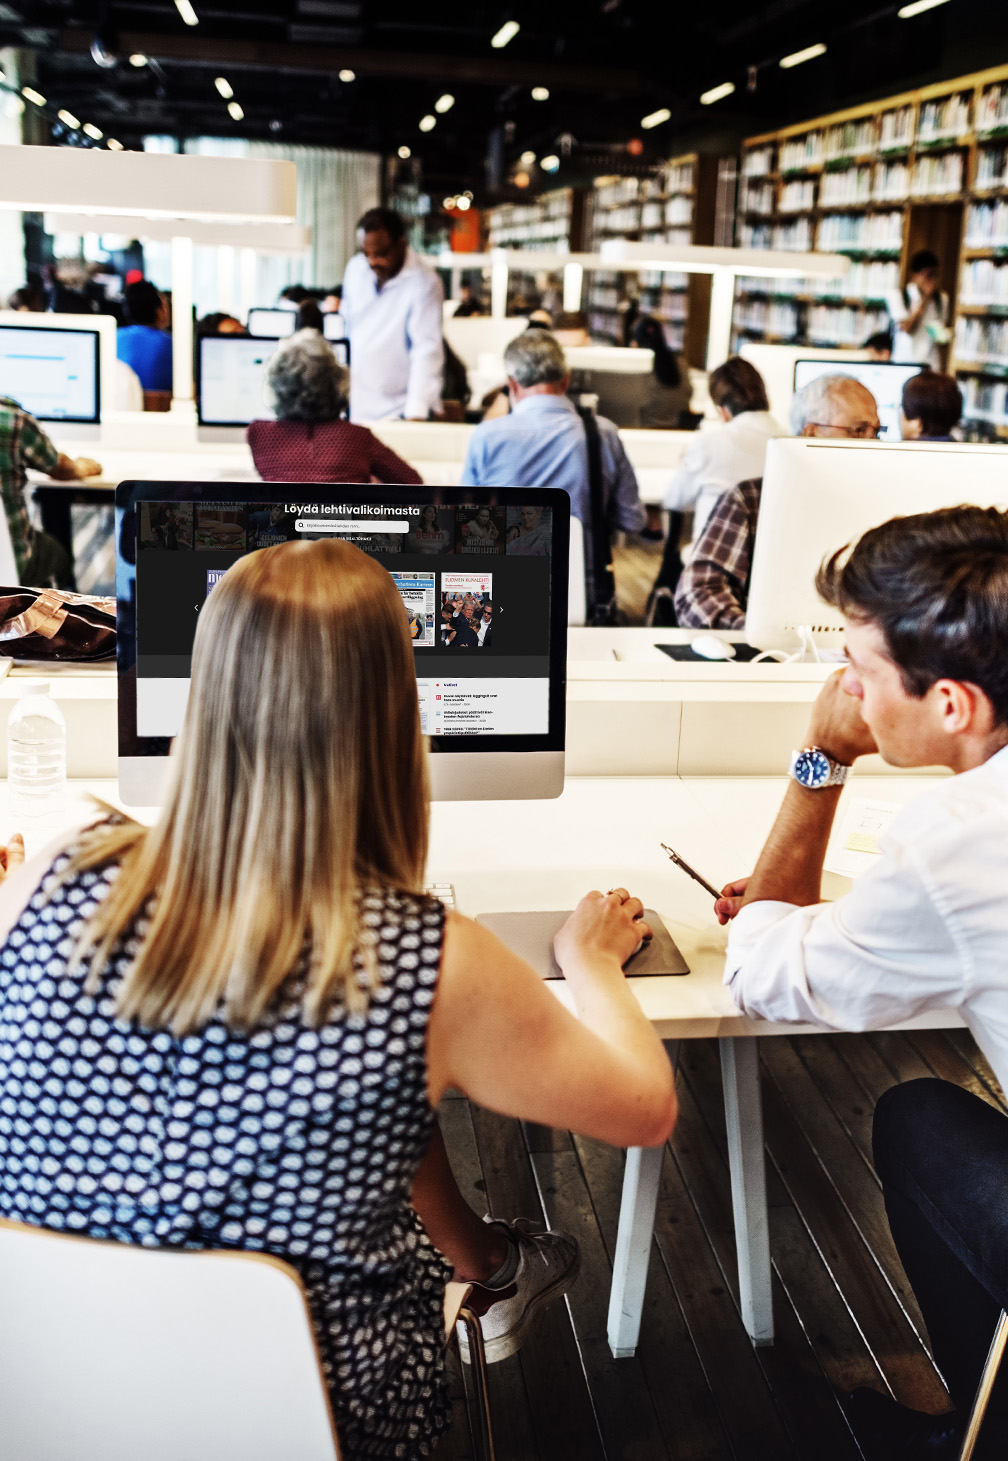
269	525
418	592
433	532
219	525
529	530
467	610
165	527
480	529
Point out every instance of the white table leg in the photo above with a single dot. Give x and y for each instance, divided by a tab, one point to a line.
746	1159
641	1180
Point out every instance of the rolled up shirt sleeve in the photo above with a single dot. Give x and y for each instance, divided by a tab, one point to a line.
426	352
880	955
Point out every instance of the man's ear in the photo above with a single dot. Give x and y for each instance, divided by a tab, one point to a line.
963	708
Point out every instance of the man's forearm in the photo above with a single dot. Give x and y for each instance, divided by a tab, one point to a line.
790	866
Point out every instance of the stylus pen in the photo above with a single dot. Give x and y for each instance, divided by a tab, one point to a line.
690	871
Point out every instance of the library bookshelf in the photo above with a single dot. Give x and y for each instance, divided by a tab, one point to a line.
923	169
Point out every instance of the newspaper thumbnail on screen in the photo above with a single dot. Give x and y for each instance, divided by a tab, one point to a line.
467	610
418	593
480	529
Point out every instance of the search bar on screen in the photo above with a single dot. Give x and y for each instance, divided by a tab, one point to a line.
345	527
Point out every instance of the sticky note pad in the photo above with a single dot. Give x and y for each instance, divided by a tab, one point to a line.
862	842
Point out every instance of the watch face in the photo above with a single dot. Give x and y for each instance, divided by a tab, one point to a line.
812	768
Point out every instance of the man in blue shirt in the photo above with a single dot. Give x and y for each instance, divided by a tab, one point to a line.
542	442
144	344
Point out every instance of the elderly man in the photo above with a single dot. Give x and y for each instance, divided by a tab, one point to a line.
543	442
714	586
392	307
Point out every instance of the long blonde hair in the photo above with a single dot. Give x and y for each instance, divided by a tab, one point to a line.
299	776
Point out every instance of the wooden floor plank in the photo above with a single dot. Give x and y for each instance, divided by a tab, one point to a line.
967	1047
946	1062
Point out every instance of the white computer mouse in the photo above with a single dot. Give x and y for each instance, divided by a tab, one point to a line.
712	646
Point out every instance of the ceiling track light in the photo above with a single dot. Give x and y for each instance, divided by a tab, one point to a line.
540	93
527	159
138	59
30	94
405	152
347	75
427	123
188	14
462	204
550	163
918	7
655	119
235	111
69	119
507	32
716	93
444	103
224	87
797	58
114	145
95	133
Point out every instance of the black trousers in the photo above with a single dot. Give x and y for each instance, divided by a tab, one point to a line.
942	1155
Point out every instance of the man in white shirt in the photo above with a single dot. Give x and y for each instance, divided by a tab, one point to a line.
925	600
920	313
392	308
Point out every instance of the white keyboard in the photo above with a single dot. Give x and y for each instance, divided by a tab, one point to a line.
444	892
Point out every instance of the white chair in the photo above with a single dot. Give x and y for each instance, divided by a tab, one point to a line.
577	598
110	1350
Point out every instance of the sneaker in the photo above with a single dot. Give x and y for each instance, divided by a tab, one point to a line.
888	1431
548	1264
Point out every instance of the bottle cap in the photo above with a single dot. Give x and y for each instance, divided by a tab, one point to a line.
34	687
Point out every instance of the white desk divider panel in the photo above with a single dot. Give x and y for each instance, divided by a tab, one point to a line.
478	335
776	364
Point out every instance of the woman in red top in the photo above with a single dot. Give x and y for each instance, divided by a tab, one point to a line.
309	441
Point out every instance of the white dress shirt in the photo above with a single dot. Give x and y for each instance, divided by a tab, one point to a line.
396	349
921	346
719	458
927	928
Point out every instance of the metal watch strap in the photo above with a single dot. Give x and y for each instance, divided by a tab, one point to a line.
838	770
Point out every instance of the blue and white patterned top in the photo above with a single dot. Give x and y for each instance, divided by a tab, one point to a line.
293	1141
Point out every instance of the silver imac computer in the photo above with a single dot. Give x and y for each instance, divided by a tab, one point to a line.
483	578
818	495
884	378
272	324
53	374
231	384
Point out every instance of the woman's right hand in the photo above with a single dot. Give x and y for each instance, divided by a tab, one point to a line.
12	856
603	927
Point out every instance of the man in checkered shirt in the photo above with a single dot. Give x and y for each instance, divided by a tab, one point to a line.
714	586
42	560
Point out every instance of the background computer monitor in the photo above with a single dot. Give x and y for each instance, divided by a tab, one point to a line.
884	378
272	324
818	495
494	710
334	326
53	374
232	381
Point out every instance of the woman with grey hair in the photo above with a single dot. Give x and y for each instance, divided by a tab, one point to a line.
310	441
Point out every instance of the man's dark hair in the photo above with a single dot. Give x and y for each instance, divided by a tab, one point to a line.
385	220
880	341
738	387
922	259
570	319
934	400
936	585
143	303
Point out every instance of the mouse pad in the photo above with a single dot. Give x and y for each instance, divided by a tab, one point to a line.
530	935
743	652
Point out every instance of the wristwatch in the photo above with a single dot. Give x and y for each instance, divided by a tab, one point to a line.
814	770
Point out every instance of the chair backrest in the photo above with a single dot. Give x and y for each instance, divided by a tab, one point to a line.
110	1350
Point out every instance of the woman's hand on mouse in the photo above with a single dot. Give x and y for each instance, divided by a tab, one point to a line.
604	931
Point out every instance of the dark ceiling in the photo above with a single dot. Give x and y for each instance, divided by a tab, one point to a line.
606	64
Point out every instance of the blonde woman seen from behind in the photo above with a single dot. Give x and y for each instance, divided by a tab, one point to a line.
258	1010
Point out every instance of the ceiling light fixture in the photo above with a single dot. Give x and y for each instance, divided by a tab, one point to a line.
918	7
70	120
655	119
444	103
527	159
114	145
235	111
30	94
797	57
224	87
188	14
462	204
521	179
138	59
540	93
507	32
549	164
449	203
95	133
405	152
427	123
347	75
716	93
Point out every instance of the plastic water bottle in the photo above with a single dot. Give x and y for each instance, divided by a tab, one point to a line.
36	753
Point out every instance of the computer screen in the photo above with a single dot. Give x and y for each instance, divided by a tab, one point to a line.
334	326
818	495
883	378
272	324
232	378
483	577
53	374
